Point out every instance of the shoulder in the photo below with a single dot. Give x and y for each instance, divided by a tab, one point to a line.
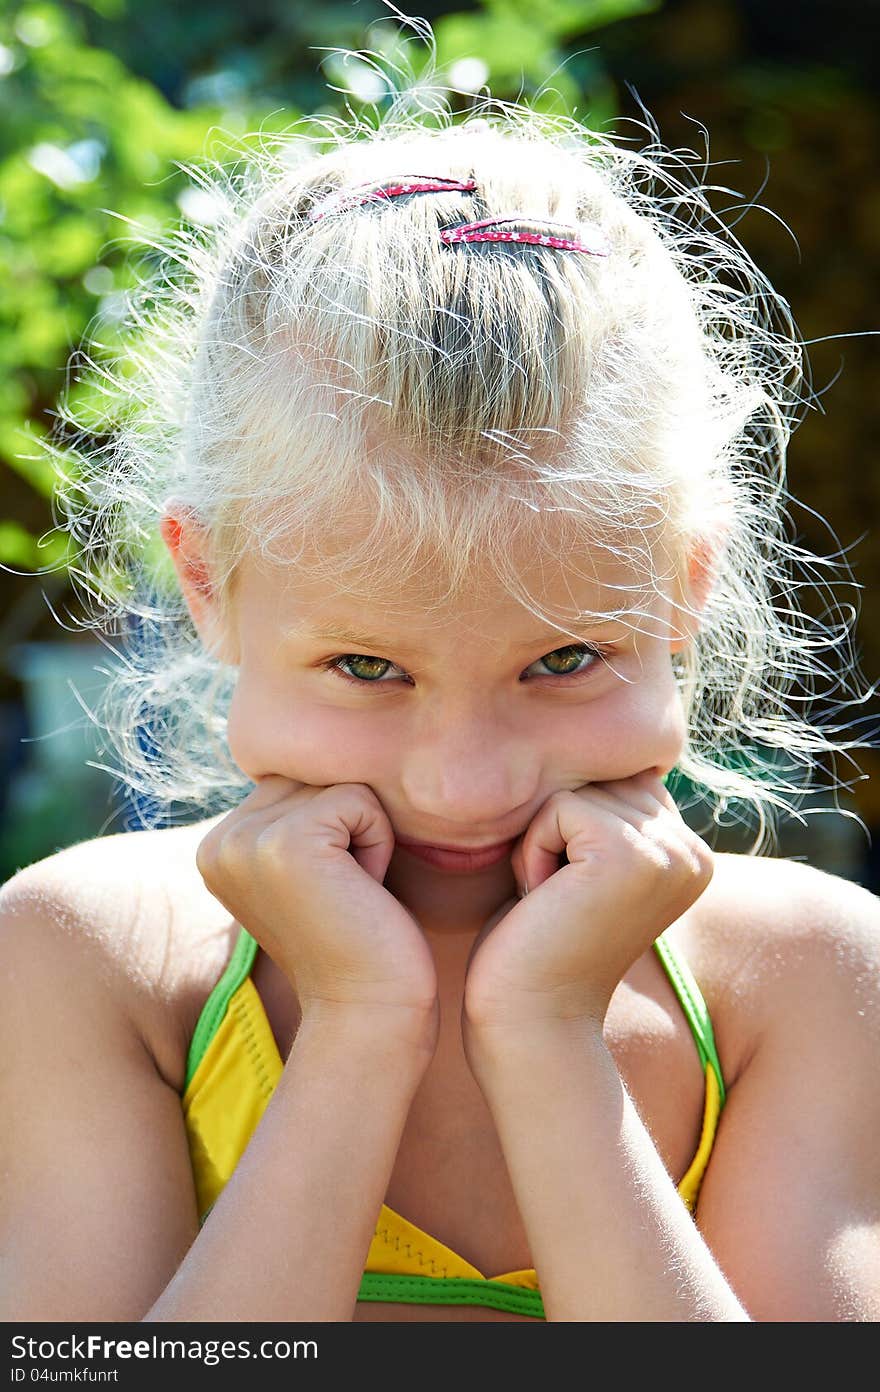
776	943
131	912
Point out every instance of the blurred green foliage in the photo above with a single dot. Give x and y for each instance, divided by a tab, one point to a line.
99	101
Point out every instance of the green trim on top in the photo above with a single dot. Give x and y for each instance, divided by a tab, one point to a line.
237	969
451	1290
694	1006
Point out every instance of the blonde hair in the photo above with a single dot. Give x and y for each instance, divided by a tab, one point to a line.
642	401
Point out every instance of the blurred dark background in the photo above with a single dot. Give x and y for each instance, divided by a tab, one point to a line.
97	101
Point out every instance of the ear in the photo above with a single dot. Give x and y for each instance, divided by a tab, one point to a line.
186	538
696	584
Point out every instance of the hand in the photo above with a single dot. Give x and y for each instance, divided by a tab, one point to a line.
559	951
301	868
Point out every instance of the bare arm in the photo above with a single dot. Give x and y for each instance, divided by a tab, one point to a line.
787	1223
97	1208
791	1199
288	1237
610	1237
611	1240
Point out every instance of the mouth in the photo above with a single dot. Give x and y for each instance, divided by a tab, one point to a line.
460	860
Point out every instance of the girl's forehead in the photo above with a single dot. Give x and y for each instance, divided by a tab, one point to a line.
470	550
565	587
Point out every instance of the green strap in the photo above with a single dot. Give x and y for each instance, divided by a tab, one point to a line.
237	971
694	1007
451	1290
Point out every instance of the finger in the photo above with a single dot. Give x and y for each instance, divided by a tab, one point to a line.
661	823
629	798
537	853
575	815
234	839
516	864
656	785
262	803
354	820
265	818
563	817
271	788
644	790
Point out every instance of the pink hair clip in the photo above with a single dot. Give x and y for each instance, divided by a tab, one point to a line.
412	183
474	232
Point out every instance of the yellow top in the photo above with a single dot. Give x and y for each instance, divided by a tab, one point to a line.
232	1070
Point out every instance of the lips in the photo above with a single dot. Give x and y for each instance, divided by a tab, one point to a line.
456	859
461	850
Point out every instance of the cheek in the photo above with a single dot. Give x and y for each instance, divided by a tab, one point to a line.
248	728
650	725
270	731
634	727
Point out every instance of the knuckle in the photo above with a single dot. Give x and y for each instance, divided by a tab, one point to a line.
566	795
272	842
700	854
265	842
659	855
592	861
211	847
206	855
704	863
365	793
342	793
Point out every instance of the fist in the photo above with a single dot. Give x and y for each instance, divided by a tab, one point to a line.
633	867
301	868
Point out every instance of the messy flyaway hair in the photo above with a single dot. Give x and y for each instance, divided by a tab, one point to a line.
281	372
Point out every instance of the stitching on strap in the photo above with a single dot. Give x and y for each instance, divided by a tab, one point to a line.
241	1013
395	1243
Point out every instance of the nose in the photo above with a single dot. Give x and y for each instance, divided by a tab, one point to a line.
469	776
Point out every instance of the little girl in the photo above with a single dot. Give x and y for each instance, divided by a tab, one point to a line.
465	442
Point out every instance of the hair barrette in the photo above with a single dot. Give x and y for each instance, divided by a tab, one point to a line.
411	183
482	232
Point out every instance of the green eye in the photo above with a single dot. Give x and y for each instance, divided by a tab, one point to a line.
375	666
569	658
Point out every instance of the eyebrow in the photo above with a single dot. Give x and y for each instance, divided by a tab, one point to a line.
361	641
